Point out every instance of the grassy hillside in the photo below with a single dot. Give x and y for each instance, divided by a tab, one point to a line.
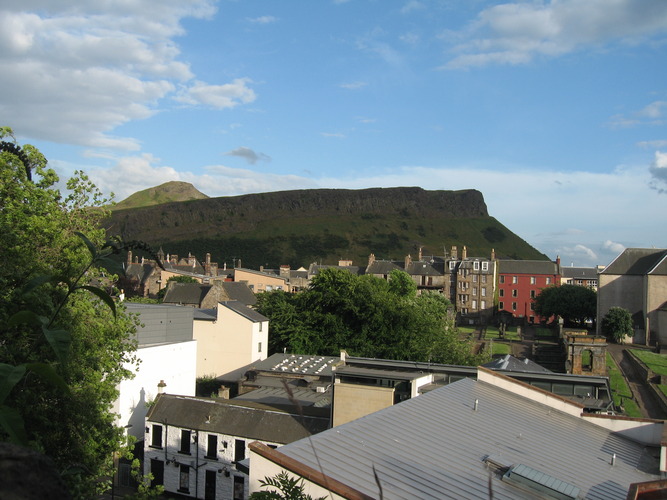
165	193
300	227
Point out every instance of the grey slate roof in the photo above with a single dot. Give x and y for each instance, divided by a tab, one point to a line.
247	419
244	311
239	291
528	267
583	273
279	396
510	363
434	446
186	293
638	261
383	267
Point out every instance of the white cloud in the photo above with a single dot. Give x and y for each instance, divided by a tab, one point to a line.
658	170
224	96
263	20
72	72
353	85
613	246
652	114
516	33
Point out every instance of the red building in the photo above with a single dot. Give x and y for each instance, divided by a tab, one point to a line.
520	281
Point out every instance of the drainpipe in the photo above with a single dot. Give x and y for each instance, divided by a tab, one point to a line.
197	465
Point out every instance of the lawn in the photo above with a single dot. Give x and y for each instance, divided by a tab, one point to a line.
492	332
541	332
620	390
467	329
500	348
656	362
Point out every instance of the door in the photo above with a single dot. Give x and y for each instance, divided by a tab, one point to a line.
157	469
209	486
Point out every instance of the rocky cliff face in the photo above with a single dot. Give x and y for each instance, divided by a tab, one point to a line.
199	218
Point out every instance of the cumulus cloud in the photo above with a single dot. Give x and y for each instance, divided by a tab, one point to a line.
516	33
72	72
658	170
613	246
224	96
248	154
652	114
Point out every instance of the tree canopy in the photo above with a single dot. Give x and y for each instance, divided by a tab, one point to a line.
366	316
617	324
574	303
64	339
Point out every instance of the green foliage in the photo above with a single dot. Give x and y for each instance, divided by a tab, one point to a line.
575	304
65	344
282	487
617	324
366	316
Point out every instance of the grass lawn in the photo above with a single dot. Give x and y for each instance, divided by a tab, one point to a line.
492	332
499	348
544	332
656	362
620	390
467	329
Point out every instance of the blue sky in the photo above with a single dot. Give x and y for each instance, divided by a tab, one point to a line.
555	110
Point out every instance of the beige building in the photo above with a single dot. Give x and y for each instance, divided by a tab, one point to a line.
259	281
229	338
636	280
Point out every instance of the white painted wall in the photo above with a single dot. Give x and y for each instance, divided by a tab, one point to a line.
174	363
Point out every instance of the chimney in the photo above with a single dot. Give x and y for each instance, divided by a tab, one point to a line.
284	270
420	256
493	254
371	259
208	259
261	269
161	386
129	257
408	261
558	260
464	253
455	252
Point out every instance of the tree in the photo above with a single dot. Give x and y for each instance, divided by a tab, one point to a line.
617	324
66	345
574	303
366	316
282	487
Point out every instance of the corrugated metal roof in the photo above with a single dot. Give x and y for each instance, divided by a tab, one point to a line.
434	446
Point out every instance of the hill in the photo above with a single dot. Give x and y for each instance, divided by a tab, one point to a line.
168	192
322	225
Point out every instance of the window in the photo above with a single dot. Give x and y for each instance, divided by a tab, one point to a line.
501	305
515	293
475	265
452	265
532	294
501	292
532	280
212	448
502	279
482	304
184	479
483	278
474	304
485	266
239	488
532	306
474	278
259	347
239	450
513	306
515	280
156	440
548	281
483	291
261	324
474	290
185	442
